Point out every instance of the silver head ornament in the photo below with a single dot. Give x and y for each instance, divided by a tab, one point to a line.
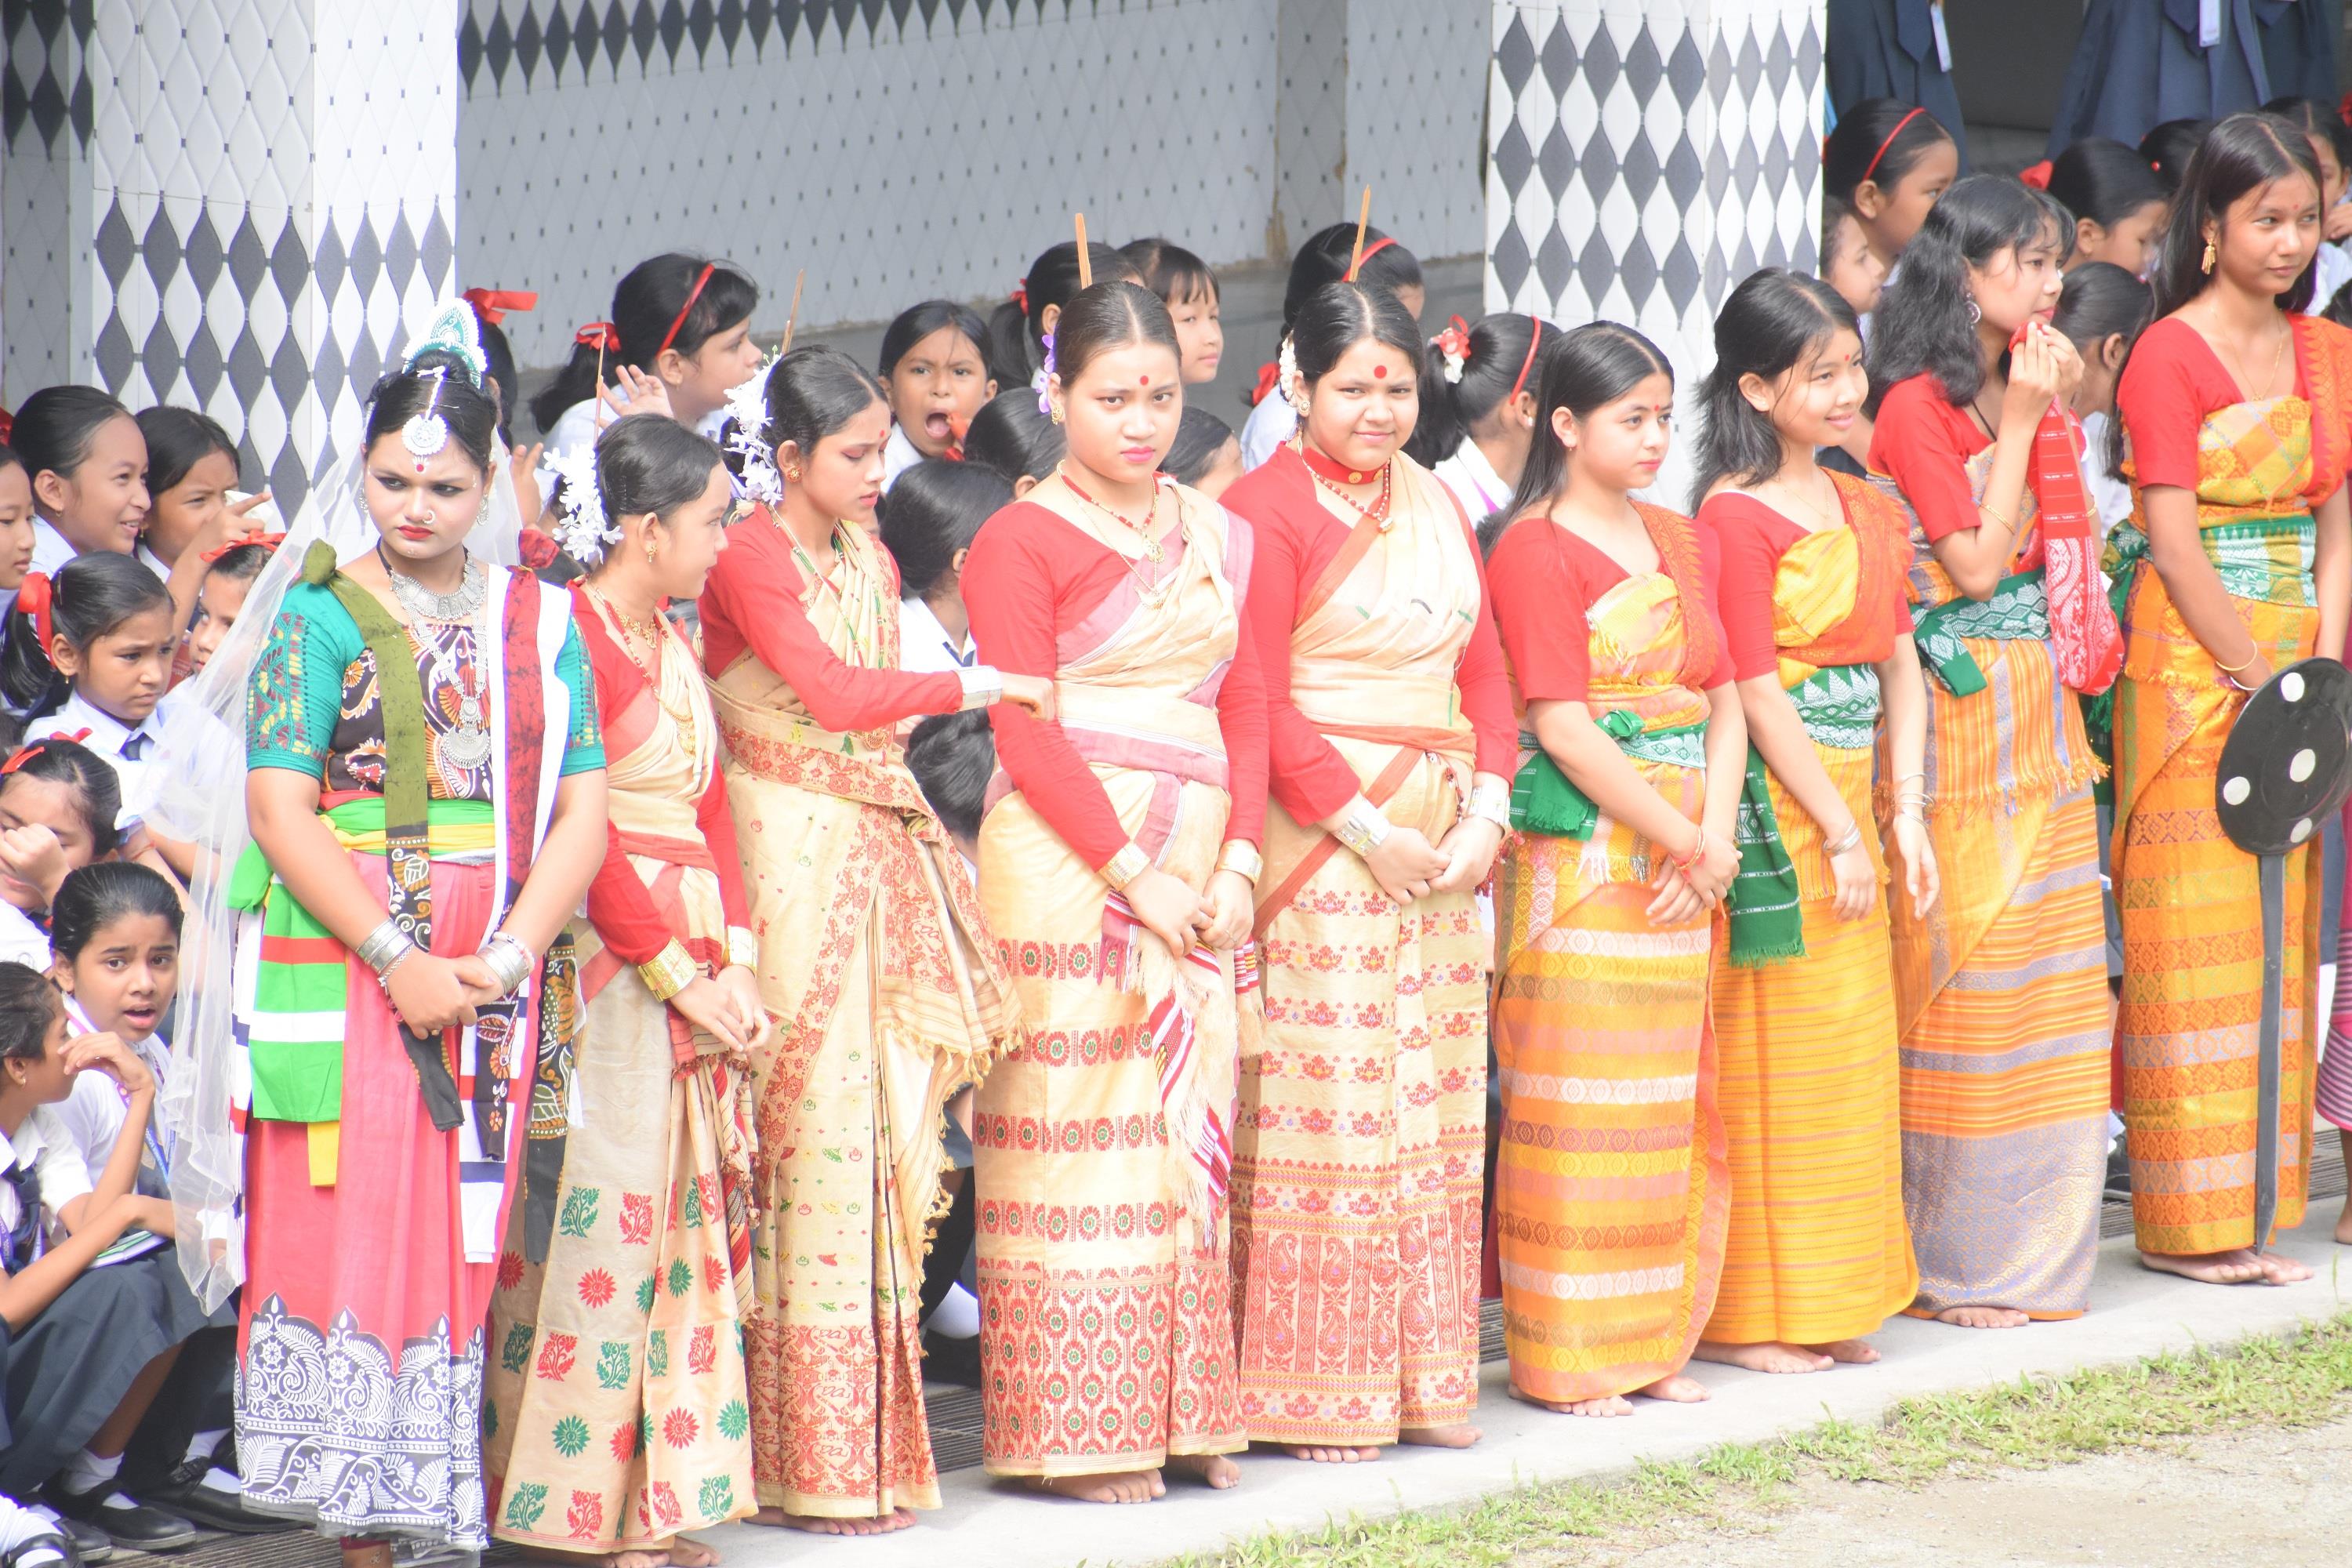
426	432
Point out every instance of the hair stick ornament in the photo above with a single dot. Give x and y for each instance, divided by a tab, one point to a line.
426	432
1086	270
1363	222
793	315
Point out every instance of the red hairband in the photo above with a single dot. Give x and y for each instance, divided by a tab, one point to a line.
1021	296
2036	175
1370	251
692	294
259	538
8	424
1528	363
601	336
1871	167
492	304
32	748
34	596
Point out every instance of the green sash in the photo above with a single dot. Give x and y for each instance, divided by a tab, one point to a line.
2019	611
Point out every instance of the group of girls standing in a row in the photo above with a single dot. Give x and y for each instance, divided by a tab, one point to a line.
583	1232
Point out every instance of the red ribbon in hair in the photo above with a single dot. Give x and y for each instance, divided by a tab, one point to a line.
32	748
1269	376
260	538
34	596
492	304
1454	342
1021	296
692	294
1871	167
1527	363
540	550
2037	175
603	336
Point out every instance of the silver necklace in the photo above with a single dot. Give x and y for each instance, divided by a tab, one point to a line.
468	746
425	605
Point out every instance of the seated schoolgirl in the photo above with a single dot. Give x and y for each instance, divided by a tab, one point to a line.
928	521
1189	289
117	1381
1323	259
685	322
16	526
935	369
89	467
58	801
1019	328
114	945
1207	455
192	476
1012	436
90	656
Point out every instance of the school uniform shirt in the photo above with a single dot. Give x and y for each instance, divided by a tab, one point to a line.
924	646
1473	481
49	1151
152	562
574	430
51	549
21	940
1269	424
2332	269
899	454
2111	495
137	754
92	1115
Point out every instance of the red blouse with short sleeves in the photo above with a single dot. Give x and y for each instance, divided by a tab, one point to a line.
1542	579
2173	381
1752	536
1924	444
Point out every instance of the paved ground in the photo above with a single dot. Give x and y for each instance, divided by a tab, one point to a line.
2266	1499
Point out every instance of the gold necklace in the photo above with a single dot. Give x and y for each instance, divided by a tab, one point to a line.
1151	589
656	638
2286	336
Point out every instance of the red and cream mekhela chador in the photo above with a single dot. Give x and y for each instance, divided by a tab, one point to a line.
1805	1048
2001	989
1102	1144
378	1169
616	1396
1611	1189
1358	1157
888	996
2190	1025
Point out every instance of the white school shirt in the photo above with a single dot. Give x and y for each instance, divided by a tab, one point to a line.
899	454
49	1152
22	941
2110	495
1269	424
137	754
924	646
574	431
1473	481
51	549
93	1113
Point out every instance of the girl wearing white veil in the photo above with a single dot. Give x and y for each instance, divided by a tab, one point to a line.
373	967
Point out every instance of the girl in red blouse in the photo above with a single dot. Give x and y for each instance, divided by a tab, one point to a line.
1118	859
2001	986
1358	1159
873	960
1819	1254
1635	753
670	1011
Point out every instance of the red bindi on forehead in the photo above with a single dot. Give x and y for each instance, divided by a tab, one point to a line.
1143	380
1379	373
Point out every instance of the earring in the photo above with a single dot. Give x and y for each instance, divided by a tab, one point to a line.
1974	315
650	548
792	472
2211	257
1058	416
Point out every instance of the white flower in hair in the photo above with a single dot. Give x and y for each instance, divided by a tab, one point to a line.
583	530
747	416
1293	386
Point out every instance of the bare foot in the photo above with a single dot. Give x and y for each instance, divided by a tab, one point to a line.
1215	1470
2281	1270
1983	1317
1771	1356
1324	1454
685	1552
1121	1486
819	1524
1455	1435
1852	1353
368	1554
1677	1387
2237	1266
1608	1405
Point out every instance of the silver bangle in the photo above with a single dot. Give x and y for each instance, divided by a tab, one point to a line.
1365	827
984	687
510	960
1490	801
385	946
1850	839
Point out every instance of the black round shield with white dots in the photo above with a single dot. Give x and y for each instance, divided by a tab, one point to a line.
2287	764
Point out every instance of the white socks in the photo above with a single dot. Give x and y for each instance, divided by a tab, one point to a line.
86	1472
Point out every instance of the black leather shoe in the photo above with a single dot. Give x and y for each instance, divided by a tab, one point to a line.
133	1528
183	1492
54	1550
90	1541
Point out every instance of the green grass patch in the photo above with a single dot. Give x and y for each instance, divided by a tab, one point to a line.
2301	1380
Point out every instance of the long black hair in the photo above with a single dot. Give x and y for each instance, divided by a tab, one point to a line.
1011	435
89	777
916	323
177	440
932	512
1170	271
55	428
2103	180
29	1005
811	392
1923	323
1015	345
1500	350
89	597
1596	364
1106	317
1323	260
645	301
95	895
652	465
499	369
2168	147
2100	300
1879	139
2314	118
2242	153
1338	316
1772	322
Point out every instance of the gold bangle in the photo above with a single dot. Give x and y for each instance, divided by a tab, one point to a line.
742	948
1996	517
2233	668
1240	857
1125	867
668	972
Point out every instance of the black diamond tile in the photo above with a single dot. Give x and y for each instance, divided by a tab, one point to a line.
15	106
114	355
289	264
436	253
248	261
328	373
367	364
1809	52
1745	260
201	252
327	265
49	18
1644	68
701	24
671	28
1751	68
587	34
1718	172
1515	54
1511	261
366	257
1601	64
1558	57
731	25
49	108
559	42
1680	273
248	371
644	32
1638	268
1637	167
1514	157
159	357
80	109
1687	71
288	483
1777	163
1778	59
616	33
1557	159
399	254
160	249
497	46
1746	166
469	50
1558	263
114	245
289	373
759	25
202	360
527	44
1684	178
